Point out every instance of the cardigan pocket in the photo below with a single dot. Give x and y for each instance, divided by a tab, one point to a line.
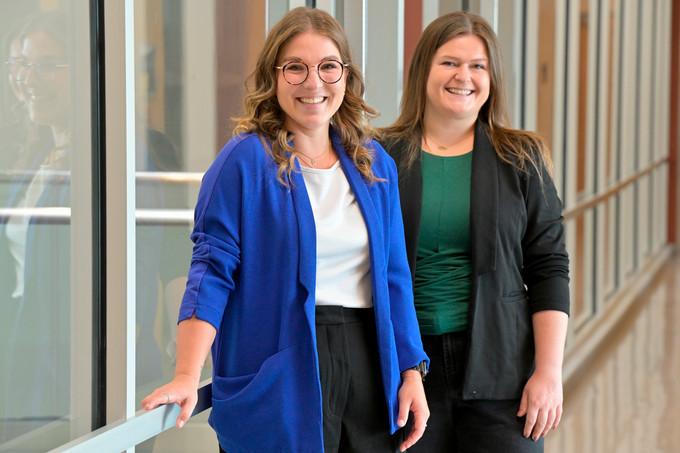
274	409
521	335
513	351
515	296
235	388
516	305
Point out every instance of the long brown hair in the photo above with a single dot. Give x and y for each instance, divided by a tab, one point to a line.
263	114
523	149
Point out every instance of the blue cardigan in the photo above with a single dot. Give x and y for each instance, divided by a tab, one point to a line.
253	276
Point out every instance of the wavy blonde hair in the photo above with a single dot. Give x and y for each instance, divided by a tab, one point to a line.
263	115
522	149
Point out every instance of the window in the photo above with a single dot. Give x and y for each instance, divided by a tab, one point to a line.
46	225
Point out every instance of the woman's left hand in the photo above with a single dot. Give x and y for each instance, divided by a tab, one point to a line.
412	399
542	403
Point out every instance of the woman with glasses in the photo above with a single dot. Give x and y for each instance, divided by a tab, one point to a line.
299	278
35	298
485	242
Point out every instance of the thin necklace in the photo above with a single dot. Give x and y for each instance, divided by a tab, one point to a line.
315	160
442	147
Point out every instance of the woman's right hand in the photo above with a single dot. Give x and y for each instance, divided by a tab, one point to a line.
182	390
194	338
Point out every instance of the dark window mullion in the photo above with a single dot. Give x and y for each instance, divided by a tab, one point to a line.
98	214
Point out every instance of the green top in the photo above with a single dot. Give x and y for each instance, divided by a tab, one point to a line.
444	262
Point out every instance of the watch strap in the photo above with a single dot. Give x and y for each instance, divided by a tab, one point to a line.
422	367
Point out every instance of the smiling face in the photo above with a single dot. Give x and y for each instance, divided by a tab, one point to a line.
458	84
309	106
46	91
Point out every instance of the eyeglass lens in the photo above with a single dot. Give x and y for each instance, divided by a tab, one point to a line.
296	72
44	70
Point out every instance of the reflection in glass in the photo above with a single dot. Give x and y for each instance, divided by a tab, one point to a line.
35	279
45	71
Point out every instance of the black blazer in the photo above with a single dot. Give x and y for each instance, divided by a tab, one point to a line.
519	263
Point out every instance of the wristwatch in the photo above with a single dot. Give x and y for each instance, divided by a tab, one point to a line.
422	367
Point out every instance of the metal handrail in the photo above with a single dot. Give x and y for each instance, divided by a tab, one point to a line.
165	217
62	216
43	215
591	202
124	434
7	176
169	176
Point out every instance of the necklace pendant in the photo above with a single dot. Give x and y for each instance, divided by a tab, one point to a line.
442	148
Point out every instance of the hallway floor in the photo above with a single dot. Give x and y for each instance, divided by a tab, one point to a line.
628	401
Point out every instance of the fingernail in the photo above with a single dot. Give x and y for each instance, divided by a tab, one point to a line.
180	423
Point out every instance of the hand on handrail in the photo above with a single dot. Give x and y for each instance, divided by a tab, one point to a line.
183	391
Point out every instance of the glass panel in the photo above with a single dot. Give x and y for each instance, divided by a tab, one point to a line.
611	117
546	68
608	276
190	76
163	246
384	64
509	23
579	255
449	6
582	99
46	54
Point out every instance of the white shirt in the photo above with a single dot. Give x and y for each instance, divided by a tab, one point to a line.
343	274
17	225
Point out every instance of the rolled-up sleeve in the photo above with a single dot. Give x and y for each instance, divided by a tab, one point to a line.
216	252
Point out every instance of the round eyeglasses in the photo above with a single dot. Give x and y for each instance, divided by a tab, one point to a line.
43	70
296	72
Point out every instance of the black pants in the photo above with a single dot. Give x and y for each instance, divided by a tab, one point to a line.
458	426
355	418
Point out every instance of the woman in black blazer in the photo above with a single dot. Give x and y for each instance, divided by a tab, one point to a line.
485	240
